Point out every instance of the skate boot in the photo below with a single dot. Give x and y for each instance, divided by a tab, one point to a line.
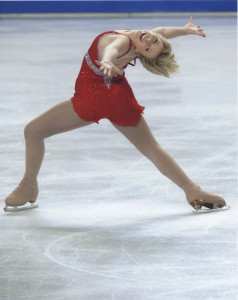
199	198
26	191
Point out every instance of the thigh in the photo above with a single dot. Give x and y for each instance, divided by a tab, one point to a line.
60	118
140	136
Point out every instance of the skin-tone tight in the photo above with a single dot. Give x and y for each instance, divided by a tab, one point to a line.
62	118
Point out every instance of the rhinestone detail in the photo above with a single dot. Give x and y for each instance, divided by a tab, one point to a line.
98	72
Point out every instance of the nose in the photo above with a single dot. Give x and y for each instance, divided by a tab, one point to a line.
148	39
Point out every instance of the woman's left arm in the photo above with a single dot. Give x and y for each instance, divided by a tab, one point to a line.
172	32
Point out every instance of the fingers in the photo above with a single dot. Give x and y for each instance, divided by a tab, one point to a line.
98	62
195	29
118	71
200	32
102	68
108	68
108	72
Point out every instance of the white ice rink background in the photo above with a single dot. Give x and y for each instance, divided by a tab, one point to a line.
109	225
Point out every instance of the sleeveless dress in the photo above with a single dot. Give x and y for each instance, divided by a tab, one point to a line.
97	97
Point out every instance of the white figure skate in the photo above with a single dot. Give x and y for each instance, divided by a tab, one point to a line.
210	207
19	208
26	192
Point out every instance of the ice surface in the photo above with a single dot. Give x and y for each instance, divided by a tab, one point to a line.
109	225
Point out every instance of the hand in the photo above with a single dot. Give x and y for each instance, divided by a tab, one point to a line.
107	67
193	29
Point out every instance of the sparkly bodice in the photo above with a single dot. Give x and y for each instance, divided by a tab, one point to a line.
97	97
93	54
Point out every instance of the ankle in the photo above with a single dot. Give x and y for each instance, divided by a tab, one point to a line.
189	185
30	180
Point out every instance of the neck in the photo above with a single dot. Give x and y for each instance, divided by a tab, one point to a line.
131	34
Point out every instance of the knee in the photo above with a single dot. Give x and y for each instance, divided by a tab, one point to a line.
152	151
32	130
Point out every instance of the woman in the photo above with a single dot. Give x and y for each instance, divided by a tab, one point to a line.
102	91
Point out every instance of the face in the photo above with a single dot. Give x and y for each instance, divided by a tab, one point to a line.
148	44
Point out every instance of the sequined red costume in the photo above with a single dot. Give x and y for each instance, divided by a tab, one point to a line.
97	97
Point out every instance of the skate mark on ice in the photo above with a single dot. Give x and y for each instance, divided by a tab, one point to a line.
96	163
201	286
44	278
122	174
48	253
124	250
152	192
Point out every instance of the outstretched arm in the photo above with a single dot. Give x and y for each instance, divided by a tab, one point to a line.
110	53
172	32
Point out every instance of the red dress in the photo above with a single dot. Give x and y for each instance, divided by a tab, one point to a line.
97	97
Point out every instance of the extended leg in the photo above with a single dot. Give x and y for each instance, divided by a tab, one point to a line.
58	119
142	138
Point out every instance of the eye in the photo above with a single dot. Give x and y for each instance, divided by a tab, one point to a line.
155	41
147	49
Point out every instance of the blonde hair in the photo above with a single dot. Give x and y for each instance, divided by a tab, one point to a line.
164	64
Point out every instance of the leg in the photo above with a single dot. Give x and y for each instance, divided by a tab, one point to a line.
58	119
142	138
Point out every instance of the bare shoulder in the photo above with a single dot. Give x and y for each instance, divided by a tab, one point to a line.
118	41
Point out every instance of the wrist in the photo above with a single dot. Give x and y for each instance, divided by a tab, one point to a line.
186	30
105	61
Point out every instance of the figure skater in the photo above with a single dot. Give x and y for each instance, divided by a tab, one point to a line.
102	91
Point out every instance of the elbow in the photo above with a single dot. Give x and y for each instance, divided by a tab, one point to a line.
163	32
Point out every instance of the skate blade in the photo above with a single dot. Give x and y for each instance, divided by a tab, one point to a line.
20	208
209	210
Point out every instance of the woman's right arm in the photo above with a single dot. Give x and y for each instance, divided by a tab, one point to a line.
110	53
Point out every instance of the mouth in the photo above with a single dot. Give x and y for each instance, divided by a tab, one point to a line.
142	36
